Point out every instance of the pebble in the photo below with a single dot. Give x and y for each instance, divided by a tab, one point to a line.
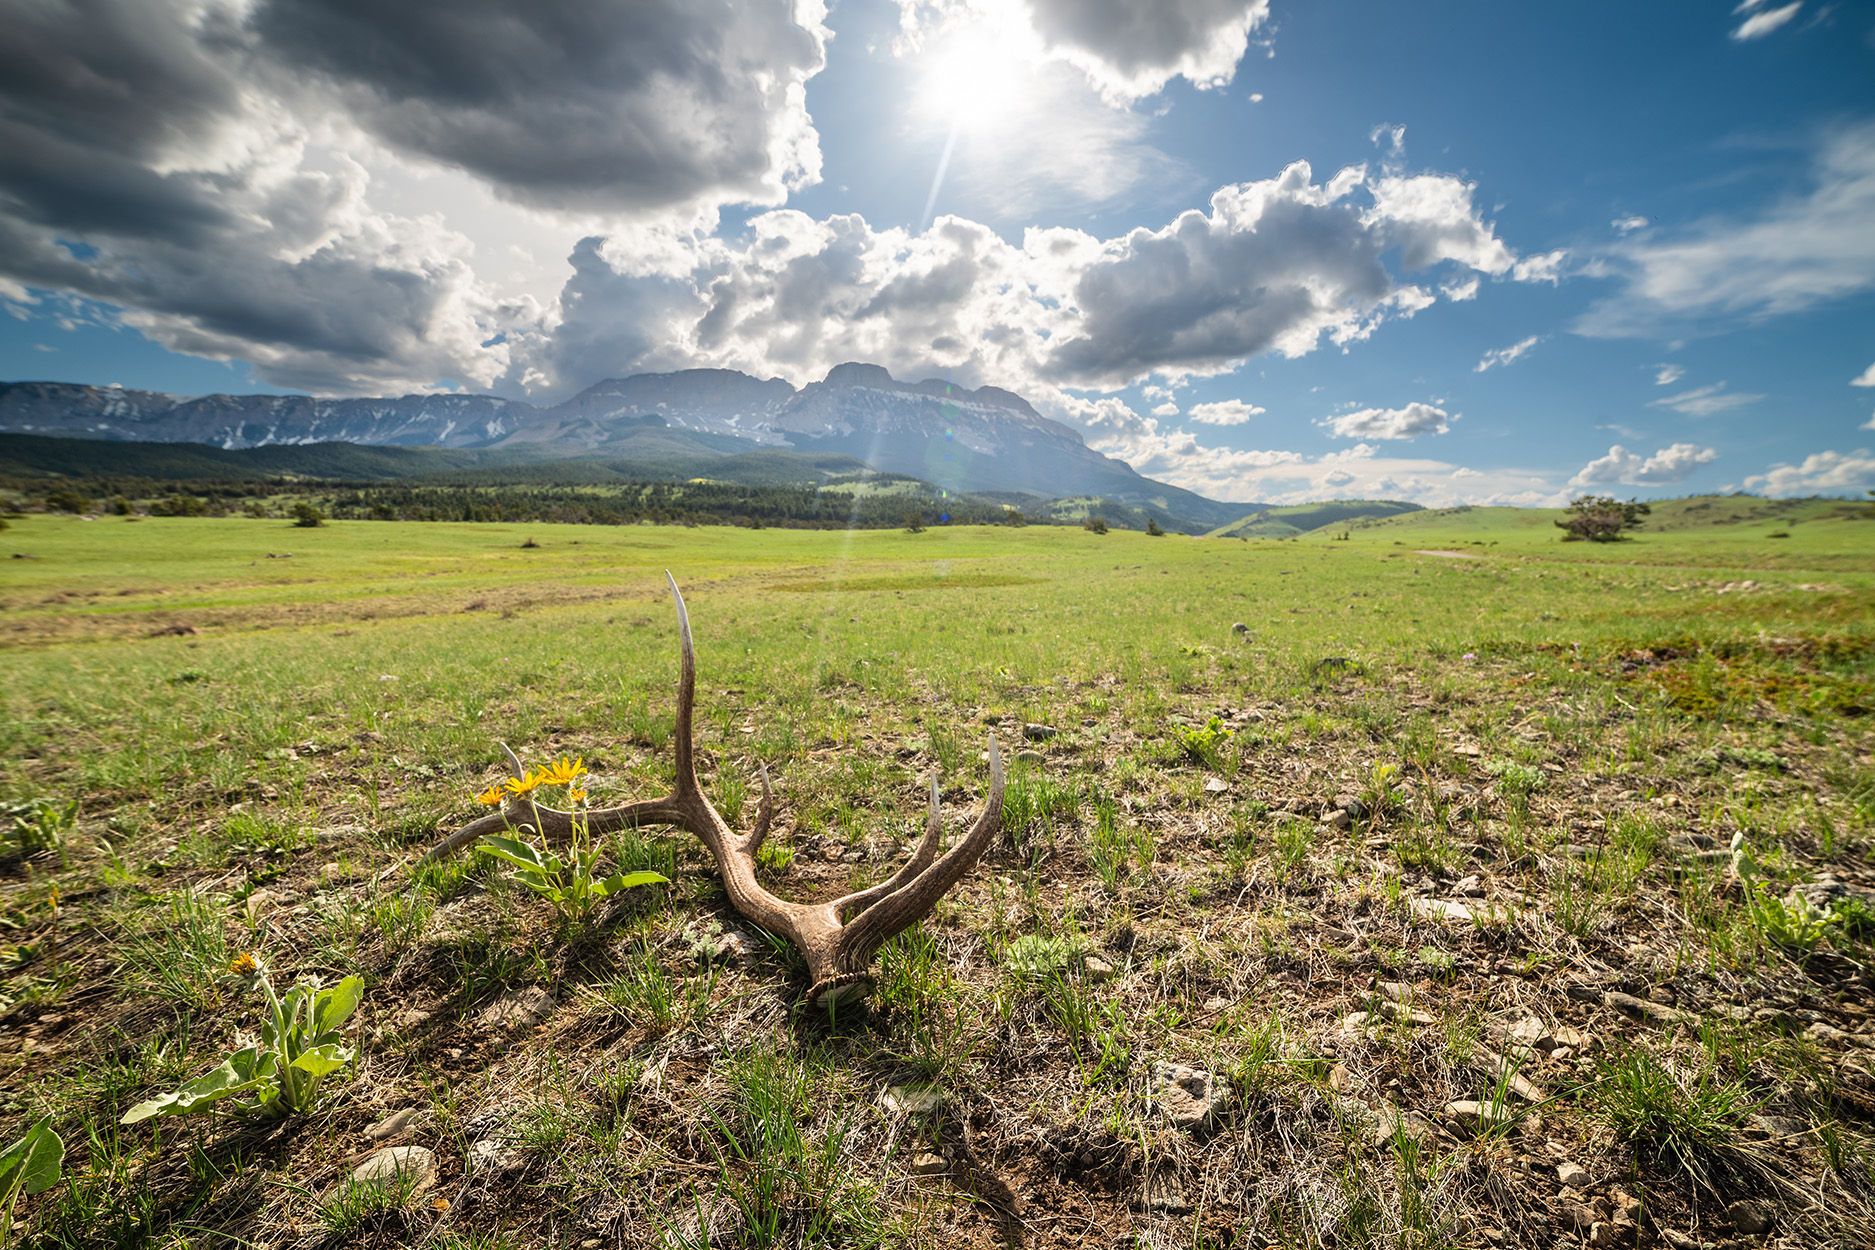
516	1010
924	1163
407	1120
1096	968
1338	818
395	1165
914	1099
1474	1116
1039	733
490	1155
1748	1218
1572	1177
1641	1008
1188	1096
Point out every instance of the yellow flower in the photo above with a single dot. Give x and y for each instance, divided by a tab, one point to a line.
246	962
564	772
577	794
522	785
439	1204
490	796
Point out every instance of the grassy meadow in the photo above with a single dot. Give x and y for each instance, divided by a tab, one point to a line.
1416	836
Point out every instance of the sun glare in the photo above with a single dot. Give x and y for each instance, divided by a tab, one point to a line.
973	82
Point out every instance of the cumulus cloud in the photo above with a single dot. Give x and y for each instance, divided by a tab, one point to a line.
1390	423
1758	25
1276	265
1823	473
1225	412
199	164
1807	249
1664	467
1167	409
1668	374
1865	378
1704	401
1128	49
1544	268
1504	355
1628	225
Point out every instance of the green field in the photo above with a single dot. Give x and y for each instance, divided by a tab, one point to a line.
1551	747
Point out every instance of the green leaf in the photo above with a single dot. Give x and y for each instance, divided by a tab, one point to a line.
323	1059
246	1069
626	880
332	1007
31	1164
516	852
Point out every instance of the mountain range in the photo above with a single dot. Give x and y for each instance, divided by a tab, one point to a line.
978	441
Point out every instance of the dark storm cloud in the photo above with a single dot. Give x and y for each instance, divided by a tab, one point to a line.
570	103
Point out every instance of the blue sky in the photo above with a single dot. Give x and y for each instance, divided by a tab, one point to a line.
1450	252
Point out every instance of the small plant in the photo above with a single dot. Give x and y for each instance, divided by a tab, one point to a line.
29	1166
1206	743
1033	955
35	825
1650	1104
281	1074
573	885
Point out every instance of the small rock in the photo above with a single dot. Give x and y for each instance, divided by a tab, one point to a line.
1561	1037
1340	937
1096	969
1188	1096
1162	1192
493	1156
1337	817
1441	909
1677	1239
1577	1217
1602	1233
410	1019
1782	1021
1039	733
1240	629
1780	1125
1352	805
1215	785
516	1010
338	871
1469	887
1339	1080
409	1119
924	1163
1662	995
395	1166
914	1099
1572	1177
1829	1033
1030	756
259	904
1748	1218
1641	1009
1584	994
1474	1117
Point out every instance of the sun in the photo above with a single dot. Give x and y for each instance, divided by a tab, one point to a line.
973	81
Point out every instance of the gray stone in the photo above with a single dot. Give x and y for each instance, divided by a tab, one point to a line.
1749	1218
1189	1097
1568	1174
409	1120
1240	629
1469	887
913	1099
1337	817
1039	733
1162	1192
491	1155
1352	805
924	1163
1029	756
1441	909
397	1166
1096	969
1475	1117
1641	1009
517	1010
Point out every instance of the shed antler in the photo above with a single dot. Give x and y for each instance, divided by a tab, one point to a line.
839	938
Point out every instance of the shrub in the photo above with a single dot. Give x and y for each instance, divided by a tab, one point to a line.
1095	525
1152	528
914	522
66	499
1600	518
306	517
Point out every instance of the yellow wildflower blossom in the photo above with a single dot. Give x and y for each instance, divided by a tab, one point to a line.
490	796
246	962
536	777
563	773
577	794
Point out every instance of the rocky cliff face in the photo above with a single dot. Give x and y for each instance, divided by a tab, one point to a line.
982	440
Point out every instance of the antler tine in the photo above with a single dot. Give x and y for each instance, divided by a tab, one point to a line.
514	762
910	903
763	814
920	860
686	695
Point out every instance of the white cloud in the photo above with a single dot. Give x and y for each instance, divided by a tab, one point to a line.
1544	268
1664	467
1823	473
1704	401
1128	49
1628	225
1758	25
1460	291
1276	265
1807	249
1868	424
1668	374
1389	423
1504	355
1865	378
1167	409
1225	412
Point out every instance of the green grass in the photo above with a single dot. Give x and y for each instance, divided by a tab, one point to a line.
1552	719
